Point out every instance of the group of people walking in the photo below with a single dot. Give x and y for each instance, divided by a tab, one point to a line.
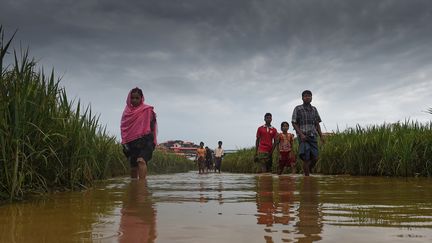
204	158
306	122
139	138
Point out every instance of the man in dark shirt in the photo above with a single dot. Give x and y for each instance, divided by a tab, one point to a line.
209	159
305	120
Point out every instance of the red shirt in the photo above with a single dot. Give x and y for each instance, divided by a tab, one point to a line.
266	136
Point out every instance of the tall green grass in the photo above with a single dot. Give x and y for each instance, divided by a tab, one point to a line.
399	149
48	141
164	162
242	161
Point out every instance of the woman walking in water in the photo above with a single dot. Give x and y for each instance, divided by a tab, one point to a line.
138	133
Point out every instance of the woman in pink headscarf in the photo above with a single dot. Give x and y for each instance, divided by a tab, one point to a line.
138	132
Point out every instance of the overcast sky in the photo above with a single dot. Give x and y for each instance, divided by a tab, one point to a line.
213	68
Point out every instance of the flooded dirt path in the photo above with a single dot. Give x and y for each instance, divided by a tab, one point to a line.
227	207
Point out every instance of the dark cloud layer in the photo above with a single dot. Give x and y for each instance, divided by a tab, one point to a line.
239	59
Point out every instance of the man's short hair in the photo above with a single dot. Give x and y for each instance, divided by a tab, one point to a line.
306	92
267	114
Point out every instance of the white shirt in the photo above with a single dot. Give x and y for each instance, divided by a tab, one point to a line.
219	152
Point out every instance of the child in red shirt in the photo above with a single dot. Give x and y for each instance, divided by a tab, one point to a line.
266	135
284	143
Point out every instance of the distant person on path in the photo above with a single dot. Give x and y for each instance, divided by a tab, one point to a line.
306	122
209	159
284	143
200	157
266	135
138	132
219	153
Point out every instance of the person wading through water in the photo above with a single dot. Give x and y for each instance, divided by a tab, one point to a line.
306	122
138	133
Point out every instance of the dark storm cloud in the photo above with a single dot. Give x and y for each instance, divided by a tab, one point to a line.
246	56
268	22
228	31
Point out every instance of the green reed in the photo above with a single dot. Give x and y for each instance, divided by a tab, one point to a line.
45	140
164	162
399	149
242	161
48	141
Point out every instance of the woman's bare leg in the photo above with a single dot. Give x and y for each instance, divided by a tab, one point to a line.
142	168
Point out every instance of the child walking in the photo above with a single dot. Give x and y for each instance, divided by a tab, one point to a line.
200	158
284	143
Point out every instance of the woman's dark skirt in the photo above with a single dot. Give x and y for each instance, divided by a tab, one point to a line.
142	147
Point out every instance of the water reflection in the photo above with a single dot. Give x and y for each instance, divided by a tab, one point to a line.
264	200
203	193
138	215
274	200
220	189
60	217
229	208
377	202
285	199
309	224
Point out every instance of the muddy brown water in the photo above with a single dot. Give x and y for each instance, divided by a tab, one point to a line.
229	208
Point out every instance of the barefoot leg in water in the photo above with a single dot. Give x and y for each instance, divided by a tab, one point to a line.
142	168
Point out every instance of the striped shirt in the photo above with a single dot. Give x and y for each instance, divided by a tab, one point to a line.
306	116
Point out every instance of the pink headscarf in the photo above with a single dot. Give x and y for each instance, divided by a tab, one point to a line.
135	121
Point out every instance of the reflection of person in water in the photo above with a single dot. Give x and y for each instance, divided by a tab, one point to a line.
202	197
265	205
220	190
285	198
274	201
138	216
309	224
